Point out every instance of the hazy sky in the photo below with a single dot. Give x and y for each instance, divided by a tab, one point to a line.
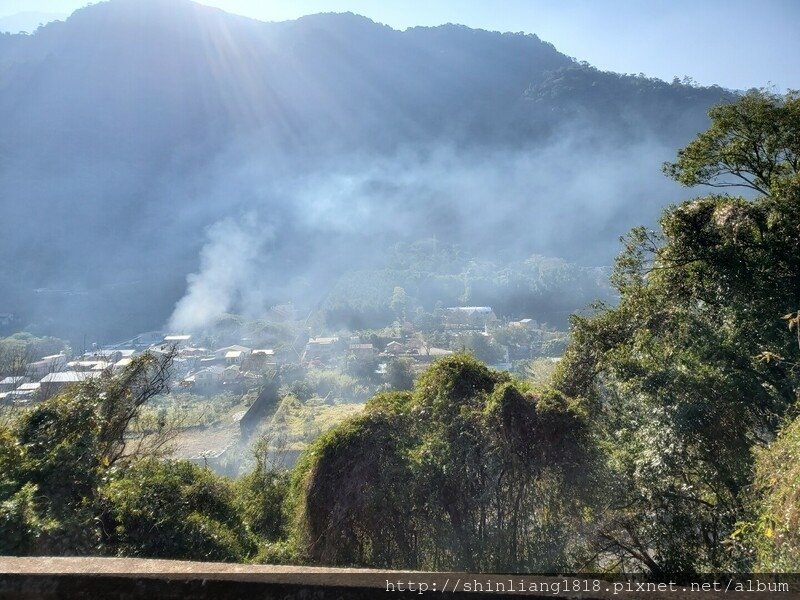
735	43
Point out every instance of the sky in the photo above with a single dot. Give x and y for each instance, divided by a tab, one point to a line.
734	43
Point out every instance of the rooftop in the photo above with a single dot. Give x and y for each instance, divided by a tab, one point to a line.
69	376
234	348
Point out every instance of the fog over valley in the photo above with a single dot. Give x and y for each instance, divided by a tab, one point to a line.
165	163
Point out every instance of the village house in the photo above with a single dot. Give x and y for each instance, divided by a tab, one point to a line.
170	342
48	364
10	383
192	352
524	324
395	348
55	382
207	378
32	387
233	355
26	393
88	365
110	355
321	348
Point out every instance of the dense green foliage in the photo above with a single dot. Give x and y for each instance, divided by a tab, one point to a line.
170	509
752	143
773	535
467	471
694	367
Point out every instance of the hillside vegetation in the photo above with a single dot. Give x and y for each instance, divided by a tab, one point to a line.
665	442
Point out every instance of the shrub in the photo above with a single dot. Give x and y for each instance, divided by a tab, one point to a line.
174	509
775	533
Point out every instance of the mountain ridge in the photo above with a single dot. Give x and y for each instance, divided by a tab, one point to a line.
133	127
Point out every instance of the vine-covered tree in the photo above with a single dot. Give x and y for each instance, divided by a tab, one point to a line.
467	471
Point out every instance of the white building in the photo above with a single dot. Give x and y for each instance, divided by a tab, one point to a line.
10	383
207	378
55	382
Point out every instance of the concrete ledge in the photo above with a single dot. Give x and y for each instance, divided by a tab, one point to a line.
51	578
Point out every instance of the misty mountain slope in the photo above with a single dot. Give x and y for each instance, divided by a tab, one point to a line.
435	276
306	147
27	21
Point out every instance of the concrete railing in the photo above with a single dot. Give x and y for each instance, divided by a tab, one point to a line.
50	578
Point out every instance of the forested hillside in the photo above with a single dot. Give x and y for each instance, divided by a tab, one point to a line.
302	150
435	275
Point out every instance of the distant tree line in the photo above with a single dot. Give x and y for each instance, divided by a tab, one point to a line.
432	273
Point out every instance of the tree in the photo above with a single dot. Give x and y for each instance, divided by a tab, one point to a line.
173	509
399	374
692	369
60	452
772	533
262	491
349	504
399	303
752	143
468	471
483	348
